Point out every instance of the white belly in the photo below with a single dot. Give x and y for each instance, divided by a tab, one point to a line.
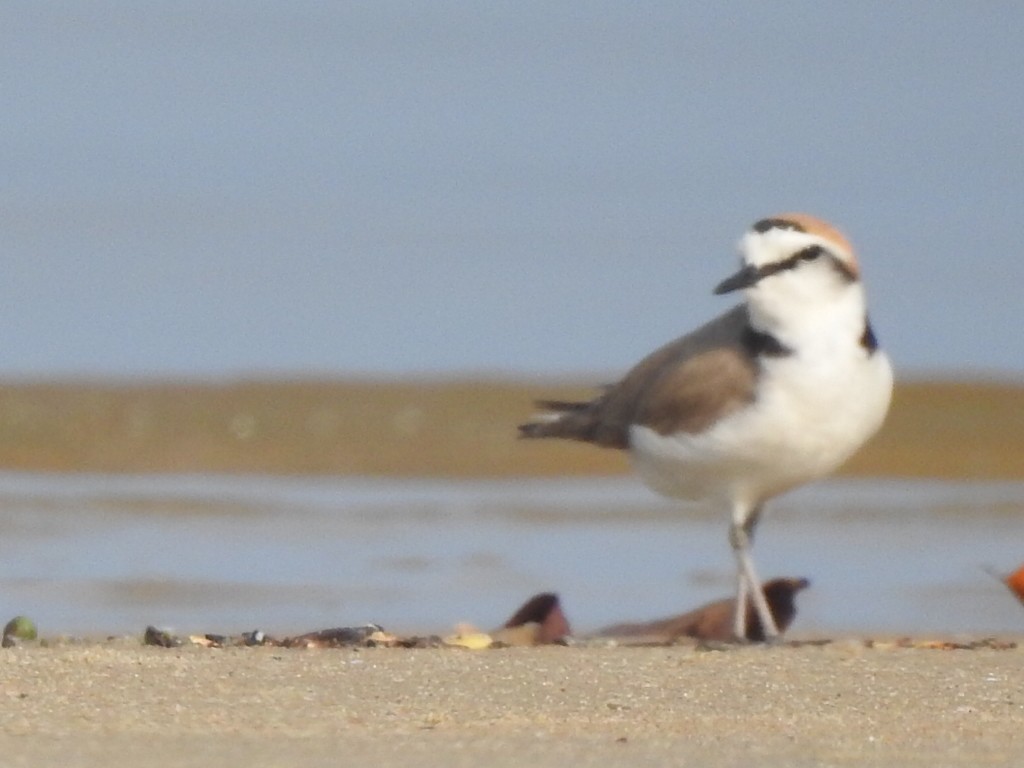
807	418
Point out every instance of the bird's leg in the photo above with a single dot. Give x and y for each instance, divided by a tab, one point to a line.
739	617
741	536
738	539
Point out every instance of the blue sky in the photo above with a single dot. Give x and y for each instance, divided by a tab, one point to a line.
402	188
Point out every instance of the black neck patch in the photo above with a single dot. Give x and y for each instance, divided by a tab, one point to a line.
868	339
760	344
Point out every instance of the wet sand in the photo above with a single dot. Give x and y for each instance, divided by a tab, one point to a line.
841	704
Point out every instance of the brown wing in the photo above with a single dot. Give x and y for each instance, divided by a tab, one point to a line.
684	386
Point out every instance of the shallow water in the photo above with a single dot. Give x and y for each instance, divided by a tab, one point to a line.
97	554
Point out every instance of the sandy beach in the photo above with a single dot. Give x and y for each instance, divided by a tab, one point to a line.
100	703
838	704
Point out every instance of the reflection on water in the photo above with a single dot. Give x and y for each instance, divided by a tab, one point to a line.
96	554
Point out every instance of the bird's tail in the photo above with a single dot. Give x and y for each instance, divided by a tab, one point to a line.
557	418
570	420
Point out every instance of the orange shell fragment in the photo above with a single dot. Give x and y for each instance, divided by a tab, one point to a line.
1015	581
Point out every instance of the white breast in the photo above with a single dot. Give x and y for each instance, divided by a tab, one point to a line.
811	412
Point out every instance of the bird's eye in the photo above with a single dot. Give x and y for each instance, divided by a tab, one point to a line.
811	253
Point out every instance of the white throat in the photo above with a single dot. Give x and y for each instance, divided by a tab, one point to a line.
803	313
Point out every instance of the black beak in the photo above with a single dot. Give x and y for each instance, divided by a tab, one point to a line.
745	278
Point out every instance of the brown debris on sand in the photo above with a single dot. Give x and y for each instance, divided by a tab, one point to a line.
714	621
366	636
543	614
160	638
538	621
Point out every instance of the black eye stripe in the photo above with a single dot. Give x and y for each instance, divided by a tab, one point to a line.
809	253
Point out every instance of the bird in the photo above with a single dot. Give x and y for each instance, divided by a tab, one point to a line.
776	392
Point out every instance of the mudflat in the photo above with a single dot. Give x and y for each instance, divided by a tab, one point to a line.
453	428
837	704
